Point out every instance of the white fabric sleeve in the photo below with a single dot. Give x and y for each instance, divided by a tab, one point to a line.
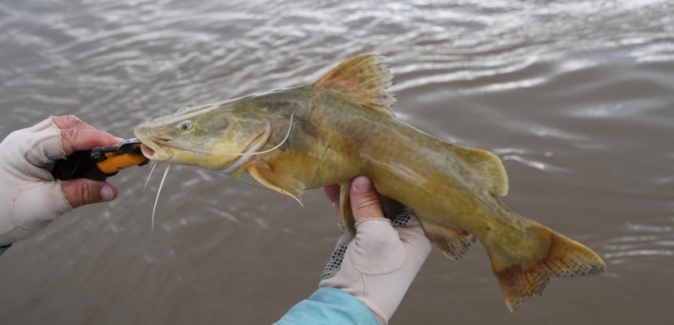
30	199
379	264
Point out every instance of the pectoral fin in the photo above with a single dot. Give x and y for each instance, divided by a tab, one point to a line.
278	182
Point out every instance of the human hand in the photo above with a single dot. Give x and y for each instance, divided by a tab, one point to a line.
30	198
378	265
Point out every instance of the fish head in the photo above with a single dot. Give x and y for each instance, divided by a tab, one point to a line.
215	136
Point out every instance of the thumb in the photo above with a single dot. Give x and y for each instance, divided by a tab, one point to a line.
364	200
83	191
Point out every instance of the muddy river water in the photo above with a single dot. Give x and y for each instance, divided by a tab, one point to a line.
576	98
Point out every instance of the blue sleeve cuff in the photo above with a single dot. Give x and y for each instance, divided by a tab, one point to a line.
329	306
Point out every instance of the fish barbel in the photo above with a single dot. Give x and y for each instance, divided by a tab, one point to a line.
340	126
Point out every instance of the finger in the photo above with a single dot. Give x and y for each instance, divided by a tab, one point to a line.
82	191
70	122
364	200
85	139
332	192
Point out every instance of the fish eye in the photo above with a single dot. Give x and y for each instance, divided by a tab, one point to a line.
185	125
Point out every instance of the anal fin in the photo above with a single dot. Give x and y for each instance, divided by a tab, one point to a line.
452	241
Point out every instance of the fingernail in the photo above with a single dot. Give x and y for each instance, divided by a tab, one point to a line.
119	139
362	184
106	193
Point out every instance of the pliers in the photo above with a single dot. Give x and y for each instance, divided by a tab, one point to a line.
101	162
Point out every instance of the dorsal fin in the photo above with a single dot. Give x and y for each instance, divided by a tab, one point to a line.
364	79
488	165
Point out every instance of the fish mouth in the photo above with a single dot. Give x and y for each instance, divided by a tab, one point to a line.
147	151
151	149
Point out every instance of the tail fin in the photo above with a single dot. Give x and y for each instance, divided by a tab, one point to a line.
564	257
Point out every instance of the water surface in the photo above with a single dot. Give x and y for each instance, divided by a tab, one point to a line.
576	97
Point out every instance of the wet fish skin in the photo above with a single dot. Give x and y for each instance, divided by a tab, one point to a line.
342	127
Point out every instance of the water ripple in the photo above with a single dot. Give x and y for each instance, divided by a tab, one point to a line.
643	241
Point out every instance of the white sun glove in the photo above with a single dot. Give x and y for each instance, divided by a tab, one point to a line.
29	197
379	264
